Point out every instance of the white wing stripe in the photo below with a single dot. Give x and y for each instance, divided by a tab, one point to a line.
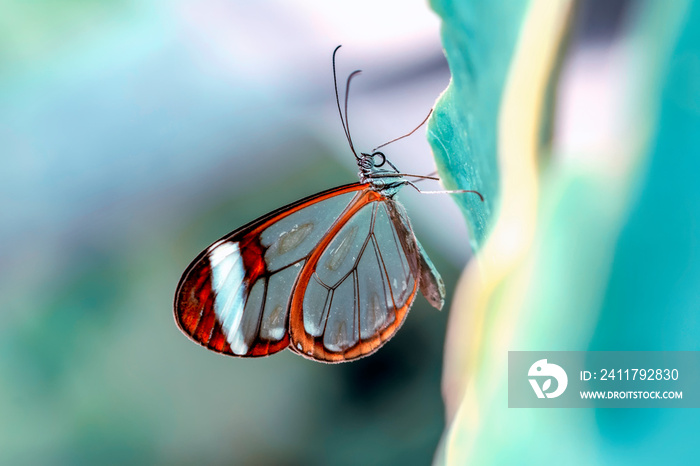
227	280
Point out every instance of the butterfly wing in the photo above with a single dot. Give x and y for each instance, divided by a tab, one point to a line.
234	298
357	286
431	285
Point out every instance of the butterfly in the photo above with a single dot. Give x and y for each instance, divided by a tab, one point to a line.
331	277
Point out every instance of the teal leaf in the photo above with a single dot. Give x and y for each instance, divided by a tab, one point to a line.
611	262
478	38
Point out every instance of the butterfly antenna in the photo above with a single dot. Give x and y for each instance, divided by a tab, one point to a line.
405	135
337	101
347	120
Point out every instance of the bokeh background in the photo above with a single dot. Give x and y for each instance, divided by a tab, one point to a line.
135	133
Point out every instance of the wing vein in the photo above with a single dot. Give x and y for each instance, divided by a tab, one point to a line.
260	313
359	255
382	264
330	304
356	303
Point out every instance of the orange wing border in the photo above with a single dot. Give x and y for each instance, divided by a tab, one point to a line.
312	347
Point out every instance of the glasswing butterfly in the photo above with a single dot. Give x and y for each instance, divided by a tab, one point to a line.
331	277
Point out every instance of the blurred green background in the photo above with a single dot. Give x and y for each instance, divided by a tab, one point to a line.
133	135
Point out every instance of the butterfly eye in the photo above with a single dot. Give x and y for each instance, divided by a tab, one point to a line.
382	156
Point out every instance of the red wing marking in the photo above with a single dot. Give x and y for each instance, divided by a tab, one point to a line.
213	304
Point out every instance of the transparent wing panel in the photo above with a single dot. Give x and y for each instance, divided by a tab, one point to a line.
341	329
316	304
292	238
279	291
376	304
393	258
341	255
361	282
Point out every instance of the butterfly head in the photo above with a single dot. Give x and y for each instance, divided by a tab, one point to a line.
370	163
380	173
